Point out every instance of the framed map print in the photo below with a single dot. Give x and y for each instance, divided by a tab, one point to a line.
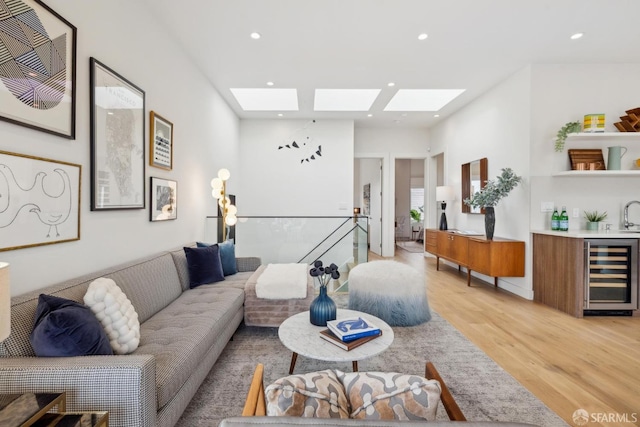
37	68
39	201
117	141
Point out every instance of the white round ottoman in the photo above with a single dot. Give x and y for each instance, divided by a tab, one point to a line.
390	290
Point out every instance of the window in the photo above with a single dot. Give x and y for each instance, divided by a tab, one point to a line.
417	201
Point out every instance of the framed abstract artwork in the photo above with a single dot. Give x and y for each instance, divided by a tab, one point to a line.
37	68
164	199
117	141
39	201
160	142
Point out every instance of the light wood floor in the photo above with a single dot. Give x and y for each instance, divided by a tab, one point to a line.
568	363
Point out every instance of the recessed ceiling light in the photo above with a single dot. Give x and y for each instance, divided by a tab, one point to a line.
255	36
391	84
421	99
280	114
423	36
576	36
369	115
261	99
436	115
269	83
344	99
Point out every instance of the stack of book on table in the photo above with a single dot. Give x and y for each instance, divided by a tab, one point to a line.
350	332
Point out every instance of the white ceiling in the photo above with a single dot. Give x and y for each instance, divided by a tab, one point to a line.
365	44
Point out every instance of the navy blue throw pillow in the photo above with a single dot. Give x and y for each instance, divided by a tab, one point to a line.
67	328
204	265
227	256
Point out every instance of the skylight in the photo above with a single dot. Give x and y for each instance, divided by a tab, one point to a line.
344	99
422	99
261	99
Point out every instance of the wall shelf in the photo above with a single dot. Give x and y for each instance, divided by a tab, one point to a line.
598	174
598	135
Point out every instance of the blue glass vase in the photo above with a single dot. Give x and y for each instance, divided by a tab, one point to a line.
322	308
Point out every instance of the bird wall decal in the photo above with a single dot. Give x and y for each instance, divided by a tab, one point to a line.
306	139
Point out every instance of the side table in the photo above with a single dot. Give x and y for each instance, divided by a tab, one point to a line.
32	409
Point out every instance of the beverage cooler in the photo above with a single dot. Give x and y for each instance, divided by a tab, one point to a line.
611	276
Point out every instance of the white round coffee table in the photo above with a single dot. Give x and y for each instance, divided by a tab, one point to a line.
301	337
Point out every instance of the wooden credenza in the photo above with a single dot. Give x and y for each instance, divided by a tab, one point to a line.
497	258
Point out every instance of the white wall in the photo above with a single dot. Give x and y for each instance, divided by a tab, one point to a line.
281	182
515	124
565	93
205	137
389	144
496	126
278	181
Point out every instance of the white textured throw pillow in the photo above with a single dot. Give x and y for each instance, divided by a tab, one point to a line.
116	314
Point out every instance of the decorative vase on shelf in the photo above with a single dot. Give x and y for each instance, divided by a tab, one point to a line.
489	221
322	309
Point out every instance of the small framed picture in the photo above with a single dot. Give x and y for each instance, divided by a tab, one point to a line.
160	142
164	199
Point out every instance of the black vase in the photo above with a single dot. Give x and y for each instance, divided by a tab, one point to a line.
489	221
322	309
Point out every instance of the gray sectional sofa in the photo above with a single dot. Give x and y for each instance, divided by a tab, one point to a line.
182	333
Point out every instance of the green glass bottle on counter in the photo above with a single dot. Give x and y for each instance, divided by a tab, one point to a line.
555	220
564	220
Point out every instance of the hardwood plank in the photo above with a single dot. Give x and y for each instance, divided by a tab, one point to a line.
592	363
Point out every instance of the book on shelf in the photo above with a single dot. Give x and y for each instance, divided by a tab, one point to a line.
352	328
350	345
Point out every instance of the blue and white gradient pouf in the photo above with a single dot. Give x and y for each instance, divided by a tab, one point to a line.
392	291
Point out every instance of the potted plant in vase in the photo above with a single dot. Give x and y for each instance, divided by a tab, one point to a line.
490	195
593	218
323	308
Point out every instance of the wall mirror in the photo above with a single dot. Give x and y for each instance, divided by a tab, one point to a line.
474	176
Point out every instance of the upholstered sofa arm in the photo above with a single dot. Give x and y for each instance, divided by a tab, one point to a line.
248	263
125	386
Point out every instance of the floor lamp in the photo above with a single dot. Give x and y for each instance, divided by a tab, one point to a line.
219	193
444	194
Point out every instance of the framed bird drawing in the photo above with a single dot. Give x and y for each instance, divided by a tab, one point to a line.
39	201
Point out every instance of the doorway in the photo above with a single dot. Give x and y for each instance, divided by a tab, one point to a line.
368	197
410	206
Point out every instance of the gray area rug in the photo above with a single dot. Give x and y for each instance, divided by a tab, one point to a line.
483	390
411	246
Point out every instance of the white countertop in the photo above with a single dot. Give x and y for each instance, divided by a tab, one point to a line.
595	234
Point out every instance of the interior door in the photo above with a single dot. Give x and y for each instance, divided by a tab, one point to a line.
368	186
375	219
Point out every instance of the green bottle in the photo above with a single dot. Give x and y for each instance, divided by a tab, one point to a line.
555	220
564	220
